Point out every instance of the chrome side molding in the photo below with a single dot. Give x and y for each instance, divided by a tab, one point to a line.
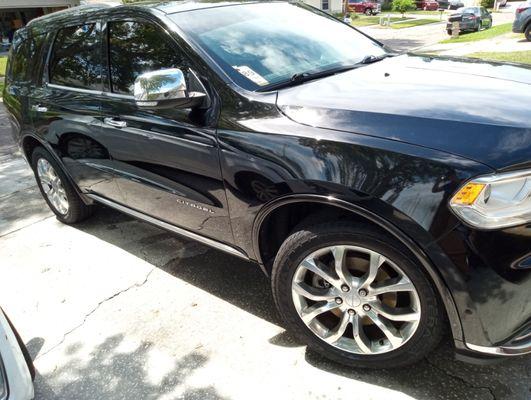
509	350
169	227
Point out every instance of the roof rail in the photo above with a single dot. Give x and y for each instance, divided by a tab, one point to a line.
82	8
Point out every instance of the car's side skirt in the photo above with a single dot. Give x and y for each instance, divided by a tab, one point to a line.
169	227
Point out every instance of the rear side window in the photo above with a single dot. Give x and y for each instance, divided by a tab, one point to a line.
76	58
18	70
136	48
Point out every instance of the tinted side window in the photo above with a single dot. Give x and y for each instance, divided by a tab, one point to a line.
76	58
136	48
18	69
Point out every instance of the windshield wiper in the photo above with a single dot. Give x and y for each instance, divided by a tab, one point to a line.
372	58
302	77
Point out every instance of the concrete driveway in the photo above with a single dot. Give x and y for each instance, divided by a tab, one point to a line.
114	308
418	37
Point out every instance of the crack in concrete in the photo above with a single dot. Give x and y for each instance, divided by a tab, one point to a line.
19	191
25	226
461	379
137	284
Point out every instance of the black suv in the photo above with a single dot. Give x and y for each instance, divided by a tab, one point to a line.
388	196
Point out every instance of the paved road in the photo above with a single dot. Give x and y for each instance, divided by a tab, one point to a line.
114	308
415	38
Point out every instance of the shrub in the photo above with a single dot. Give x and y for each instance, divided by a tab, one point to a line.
403	5
487	3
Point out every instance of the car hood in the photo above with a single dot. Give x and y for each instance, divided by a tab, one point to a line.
474	109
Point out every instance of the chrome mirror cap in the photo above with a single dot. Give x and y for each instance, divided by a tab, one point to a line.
164	84
164	88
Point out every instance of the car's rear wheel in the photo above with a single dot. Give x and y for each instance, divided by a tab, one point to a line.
59	193
479	26
368	11
449	31
355	297
527	32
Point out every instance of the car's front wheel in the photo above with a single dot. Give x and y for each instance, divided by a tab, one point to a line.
59	193
355	297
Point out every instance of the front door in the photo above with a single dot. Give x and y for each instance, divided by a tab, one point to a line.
166	159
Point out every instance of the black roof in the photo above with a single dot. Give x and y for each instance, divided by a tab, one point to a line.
74	14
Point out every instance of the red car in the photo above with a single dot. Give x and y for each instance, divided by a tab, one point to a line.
364	6
427	5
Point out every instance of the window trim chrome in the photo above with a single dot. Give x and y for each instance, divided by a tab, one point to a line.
74	89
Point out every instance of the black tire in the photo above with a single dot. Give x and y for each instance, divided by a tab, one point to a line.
449	31
479	26
527	32
368	11
77	209
307	240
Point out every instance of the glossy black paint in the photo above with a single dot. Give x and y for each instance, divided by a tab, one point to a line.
389	142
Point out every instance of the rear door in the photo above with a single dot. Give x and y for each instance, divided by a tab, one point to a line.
18	82
66	106
167	159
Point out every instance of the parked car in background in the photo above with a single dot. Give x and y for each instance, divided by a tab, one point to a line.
382	223
522	20
364	6
470	19
450	4
427	5
16	368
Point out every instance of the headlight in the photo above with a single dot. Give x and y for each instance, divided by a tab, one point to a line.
495	201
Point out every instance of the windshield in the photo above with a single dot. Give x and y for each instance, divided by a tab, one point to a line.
261	44
467	10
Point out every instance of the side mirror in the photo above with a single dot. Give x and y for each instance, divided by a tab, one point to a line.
165	88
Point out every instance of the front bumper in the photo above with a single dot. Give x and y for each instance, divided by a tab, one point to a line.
518	26
491	288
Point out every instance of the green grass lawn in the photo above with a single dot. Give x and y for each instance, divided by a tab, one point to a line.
523	57
486	34
375	20
3	62
413	22
419	12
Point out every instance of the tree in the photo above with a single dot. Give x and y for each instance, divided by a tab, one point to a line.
403	5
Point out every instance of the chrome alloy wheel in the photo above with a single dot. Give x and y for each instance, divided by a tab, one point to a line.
356	299
52	186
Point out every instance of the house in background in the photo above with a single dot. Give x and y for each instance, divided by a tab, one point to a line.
330	6
15	14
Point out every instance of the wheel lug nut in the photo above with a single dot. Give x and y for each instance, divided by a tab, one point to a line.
362	292
339	300
345	288
366	307
351	312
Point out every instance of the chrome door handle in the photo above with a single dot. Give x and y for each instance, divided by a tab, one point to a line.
39	108
115	122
